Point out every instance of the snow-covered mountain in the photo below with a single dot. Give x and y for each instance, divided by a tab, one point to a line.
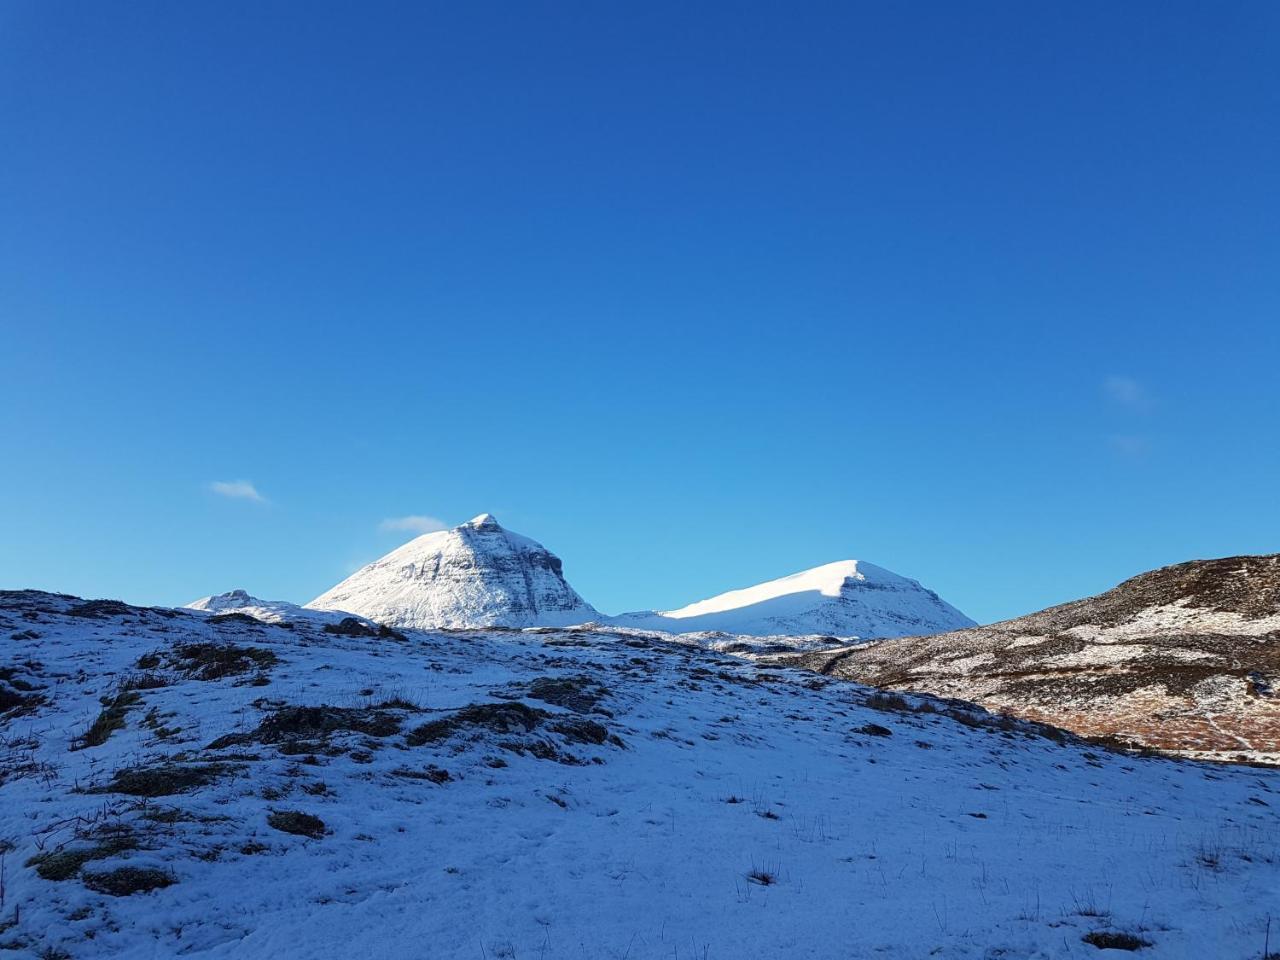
184	784
1184	659
475	575
482	575
268	611
848	598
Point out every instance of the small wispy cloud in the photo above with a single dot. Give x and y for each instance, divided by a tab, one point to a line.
237	490
412	524
1128	393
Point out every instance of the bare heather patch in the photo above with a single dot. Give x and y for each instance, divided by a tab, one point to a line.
432	773
102	609
64	864
145	680
236	617
108	721
581	694
211	661
19	692
164	780
502	718
763	874
352	627
297	822
874	730
971	715
311	729
126	881
1115	940
518	728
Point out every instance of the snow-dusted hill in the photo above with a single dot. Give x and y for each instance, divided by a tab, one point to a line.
269	611
181	784
475	575
848	598
1185	658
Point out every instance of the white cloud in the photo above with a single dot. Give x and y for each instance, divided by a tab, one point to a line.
412	524
237	490
1128	393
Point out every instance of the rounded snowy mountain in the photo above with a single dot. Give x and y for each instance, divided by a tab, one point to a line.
268	611
475	575
849	598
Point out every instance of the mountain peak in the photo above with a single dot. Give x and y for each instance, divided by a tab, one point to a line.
460	578
485	521
231	600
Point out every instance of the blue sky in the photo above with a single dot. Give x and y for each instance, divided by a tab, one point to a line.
695	294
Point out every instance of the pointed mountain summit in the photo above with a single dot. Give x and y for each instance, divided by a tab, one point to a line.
475	575
848	598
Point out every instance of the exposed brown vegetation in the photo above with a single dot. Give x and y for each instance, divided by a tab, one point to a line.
290	726
126	881
109	720
64	864
297	822
165	779
1115	940
521	728
211	661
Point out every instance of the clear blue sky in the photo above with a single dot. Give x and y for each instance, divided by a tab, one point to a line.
695	294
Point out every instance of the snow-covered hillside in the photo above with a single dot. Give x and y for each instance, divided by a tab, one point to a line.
475	575
181	784
848	598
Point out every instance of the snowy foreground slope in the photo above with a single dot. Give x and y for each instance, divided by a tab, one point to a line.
478	574
176	783
849	598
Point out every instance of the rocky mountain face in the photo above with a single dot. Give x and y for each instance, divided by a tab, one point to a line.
1184	659
475	575
849	598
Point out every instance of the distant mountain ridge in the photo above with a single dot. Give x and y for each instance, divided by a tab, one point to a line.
480	574
268	611
848	598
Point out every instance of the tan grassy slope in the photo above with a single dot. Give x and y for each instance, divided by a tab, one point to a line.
1184	659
